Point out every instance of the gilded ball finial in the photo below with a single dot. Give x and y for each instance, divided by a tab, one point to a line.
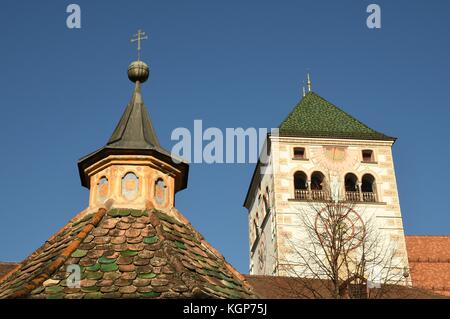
138	71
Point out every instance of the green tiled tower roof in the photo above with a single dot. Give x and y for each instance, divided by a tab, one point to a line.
316	117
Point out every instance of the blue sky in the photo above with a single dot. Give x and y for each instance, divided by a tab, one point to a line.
231	64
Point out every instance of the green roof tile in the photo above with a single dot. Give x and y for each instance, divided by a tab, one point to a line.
90	289
109	267
150	294
106	260
93	295
94	275
79	253
149	275
180	244
38	290
129	252
150	239
316	117
54	289
94	267
138	213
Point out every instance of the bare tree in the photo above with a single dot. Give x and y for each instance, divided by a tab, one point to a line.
340	254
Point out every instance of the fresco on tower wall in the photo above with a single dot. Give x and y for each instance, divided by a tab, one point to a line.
264	256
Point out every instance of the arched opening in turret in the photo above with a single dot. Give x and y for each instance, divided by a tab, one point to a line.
160	192
102	188
130	186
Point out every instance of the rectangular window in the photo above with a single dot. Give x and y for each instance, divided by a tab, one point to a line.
358	291
367	156
299	152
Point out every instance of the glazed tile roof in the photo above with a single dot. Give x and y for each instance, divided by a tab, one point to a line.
429	260
124	253
316	117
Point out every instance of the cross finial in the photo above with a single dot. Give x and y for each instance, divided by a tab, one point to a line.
309	83
140	35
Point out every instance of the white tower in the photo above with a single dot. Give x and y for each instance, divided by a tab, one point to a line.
319	144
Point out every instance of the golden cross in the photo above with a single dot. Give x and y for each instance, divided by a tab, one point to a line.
140	35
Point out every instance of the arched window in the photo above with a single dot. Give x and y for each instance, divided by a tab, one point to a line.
317	179
317	184
130	186
260	205
103	188
255	229
160	191
266	204
351	188
368	188
268	196
300	185
351	182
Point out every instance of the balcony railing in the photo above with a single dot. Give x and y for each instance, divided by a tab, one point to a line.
369	197
304	194
320	195
352	196
301	194
360	197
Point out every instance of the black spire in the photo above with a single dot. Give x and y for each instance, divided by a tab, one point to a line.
134	134
135	129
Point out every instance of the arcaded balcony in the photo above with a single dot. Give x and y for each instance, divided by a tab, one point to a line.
355	191
360	192
309	190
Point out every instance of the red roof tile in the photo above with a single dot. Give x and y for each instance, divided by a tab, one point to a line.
429	260
277	287
6	267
